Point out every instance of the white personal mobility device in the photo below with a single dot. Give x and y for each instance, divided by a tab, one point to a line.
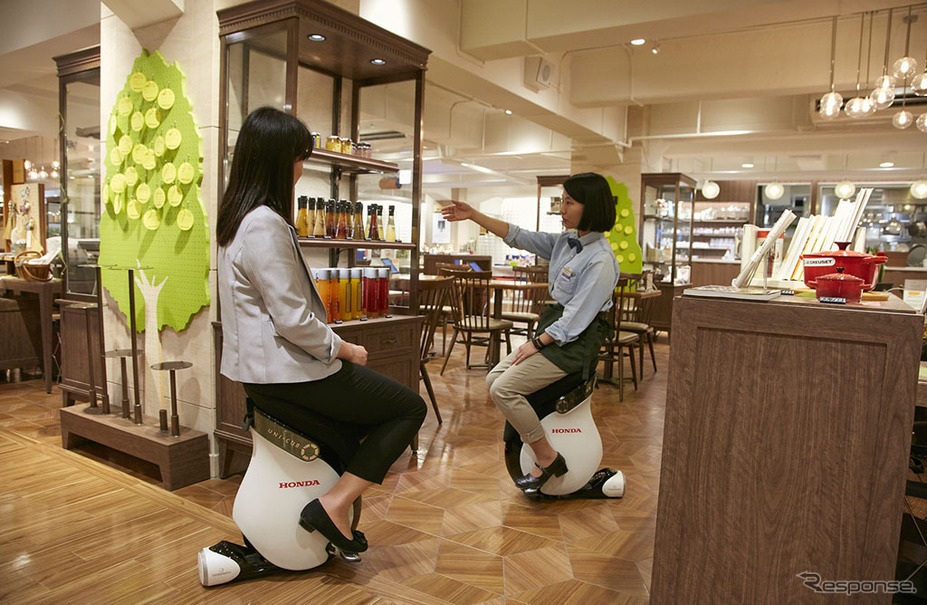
565	410
287	470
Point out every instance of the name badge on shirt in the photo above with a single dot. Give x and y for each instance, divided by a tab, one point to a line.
567	274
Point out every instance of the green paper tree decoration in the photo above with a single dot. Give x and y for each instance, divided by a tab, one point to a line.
154	218
623	236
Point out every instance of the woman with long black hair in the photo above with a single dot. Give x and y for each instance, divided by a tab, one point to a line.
276	340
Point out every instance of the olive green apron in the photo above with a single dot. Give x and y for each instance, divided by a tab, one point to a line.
582	354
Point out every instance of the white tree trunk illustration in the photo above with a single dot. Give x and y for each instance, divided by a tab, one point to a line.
154	399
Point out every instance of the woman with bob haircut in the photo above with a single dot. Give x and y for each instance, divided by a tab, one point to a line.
582	276
276	340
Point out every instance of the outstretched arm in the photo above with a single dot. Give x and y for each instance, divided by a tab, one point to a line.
461	211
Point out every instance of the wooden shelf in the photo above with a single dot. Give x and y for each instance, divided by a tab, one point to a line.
351	163
350	244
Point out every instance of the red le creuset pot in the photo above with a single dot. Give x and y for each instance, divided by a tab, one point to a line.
839	285
862	265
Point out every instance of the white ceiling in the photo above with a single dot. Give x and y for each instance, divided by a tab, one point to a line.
734	81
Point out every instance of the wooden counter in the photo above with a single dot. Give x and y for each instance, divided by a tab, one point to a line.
786	440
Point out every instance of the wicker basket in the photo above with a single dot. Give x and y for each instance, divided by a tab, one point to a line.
31	272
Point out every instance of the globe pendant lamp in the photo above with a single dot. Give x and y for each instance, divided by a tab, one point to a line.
904	118
921	122
774	190
832	101
919	84
710	190
884	94
919	189
861	106
906	66
844	190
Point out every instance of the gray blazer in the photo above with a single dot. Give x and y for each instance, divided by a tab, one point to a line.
274	326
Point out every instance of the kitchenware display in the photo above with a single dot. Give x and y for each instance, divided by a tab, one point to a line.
862	265
839	285
917	255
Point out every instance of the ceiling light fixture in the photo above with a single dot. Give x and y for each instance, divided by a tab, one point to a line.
922	122
710	190
316	37
638	42
747	165
919	189
378	61
887	164
906	66
656	48
774	190
832	101
861	106
844	190
883	95
508	112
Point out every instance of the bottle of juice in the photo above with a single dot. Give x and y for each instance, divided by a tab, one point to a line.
346	294
381	232
371	293
331	227
322	285
383	295
334	285
358	221
310	216
318	230
357	289
391	225
342	231
373	230
302	217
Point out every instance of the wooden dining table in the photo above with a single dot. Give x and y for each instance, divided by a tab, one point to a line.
47	291
499	287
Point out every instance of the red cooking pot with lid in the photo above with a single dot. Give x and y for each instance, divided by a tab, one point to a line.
839	285
862	265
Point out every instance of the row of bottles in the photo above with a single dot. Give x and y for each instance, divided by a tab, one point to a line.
353	293
342	219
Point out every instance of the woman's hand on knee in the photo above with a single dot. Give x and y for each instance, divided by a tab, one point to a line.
524	352
354	353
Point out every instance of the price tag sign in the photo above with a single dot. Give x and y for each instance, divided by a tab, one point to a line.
833	300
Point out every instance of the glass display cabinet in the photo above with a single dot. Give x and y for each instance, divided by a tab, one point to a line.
666	225
78	213
333	70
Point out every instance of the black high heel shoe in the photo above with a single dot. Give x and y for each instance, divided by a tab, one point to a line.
313	517
531	485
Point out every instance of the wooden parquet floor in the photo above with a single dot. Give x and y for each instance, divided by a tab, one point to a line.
446	526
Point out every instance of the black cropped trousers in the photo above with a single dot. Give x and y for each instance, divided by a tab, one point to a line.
387	413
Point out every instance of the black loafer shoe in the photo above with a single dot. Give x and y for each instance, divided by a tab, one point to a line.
313	517
531	484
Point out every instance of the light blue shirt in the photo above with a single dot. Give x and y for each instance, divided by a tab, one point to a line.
582	282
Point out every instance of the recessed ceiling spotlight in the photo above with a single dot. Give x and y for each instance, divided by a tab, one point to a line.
747	165
378	61
656	48
638	42
508	112
316	37
887	165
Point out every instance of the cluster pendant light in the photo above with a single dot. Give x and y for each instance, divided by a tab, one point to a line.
906	71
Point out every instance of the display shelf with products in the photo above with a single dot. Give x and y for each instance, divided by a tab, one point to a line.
319	62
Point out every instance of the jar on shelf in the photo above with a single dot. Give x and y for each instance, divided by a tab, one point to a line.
323	286
346	145
357	293
333	143
346	294
316	139
383	295
371	293
334	289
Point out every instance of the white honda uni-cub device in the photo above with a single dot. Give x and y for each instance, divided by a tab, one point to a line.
287	470
565	410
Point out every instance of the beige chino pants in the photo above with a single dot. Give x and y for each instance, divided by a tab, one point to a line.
508	385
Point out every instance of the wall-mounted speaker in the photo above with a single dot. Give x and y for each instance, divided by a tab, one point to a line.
538	72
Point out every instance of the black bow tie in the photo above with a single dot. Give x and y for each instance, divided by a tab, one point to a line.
575	243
